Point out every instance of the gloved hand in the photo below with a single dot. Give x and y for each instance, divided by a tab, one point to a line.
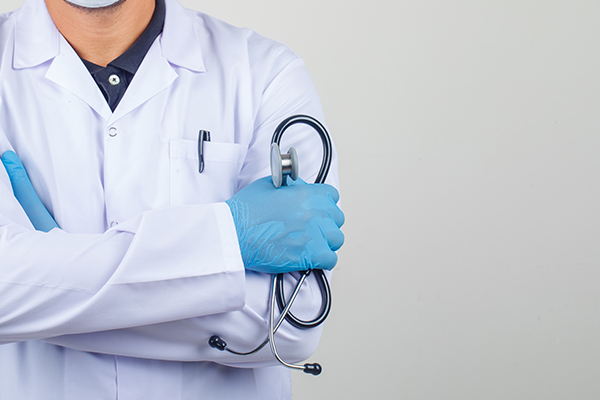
292	228
25	193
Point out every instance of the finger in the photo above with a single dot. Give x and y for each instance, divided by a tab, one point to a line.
331	233
325	260
25	193
329	190
298	181
14	168
333	197
337	215
326	239
19	180
335	239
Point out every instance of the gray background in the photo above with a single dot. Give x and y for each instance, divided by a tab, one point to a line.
468	134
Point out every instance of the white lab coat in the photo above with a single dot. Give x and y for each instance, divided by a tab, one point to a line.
121	301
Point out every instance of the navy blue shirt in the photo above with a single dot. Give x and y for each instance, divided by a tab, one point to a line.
114	79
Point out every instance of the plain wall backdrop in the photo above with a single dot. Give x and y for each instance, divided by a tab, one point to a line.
469	143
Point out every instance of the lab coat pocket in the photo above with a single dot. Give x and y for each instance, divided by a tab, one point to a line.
217	182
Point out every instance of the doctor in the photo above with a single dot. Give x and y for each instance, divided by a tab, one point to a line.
103	101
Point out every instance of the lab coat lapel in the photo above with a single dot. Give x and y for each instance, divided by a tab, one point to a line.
156	73
68	71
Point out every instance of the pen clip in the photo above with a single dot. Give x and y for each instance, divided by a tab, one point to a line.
203	136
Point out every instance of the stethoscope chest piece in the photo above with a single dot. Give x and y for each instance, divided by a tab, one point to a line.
283	165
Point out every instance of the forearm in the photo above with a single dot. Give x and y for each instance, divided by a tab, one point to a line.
163	265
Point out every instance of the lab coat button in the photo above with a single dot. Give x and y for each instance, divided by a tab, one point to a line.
113	224
114	79
112	132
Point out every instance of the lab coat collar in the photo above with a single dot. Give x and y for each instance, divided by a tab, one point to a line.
36	38
179	24
37	41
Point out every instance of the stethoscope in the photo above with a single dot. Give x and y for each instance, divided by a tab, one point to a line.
283	166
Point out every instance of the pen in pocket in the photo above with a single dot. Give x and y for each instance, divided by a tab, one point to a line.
203	136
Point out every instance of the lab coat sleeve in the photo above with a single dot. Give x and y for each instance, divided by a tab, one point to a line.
144	272
243	330
289	91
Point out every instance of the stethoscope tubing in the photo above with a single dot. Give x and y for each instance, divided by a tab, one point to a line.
277	283
321	177
215	339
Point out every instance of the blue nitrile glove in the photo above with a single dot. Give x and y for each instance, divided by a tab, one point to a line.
292	228
25	193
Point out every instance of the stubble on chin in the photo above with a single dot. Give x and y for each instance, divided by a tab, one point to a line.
105	9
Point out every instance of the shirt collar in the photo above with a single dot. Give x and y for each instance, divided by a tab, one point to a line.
37	40
130	60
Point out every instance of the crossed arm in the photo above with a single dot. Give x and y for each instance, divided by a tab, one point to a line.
243	319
